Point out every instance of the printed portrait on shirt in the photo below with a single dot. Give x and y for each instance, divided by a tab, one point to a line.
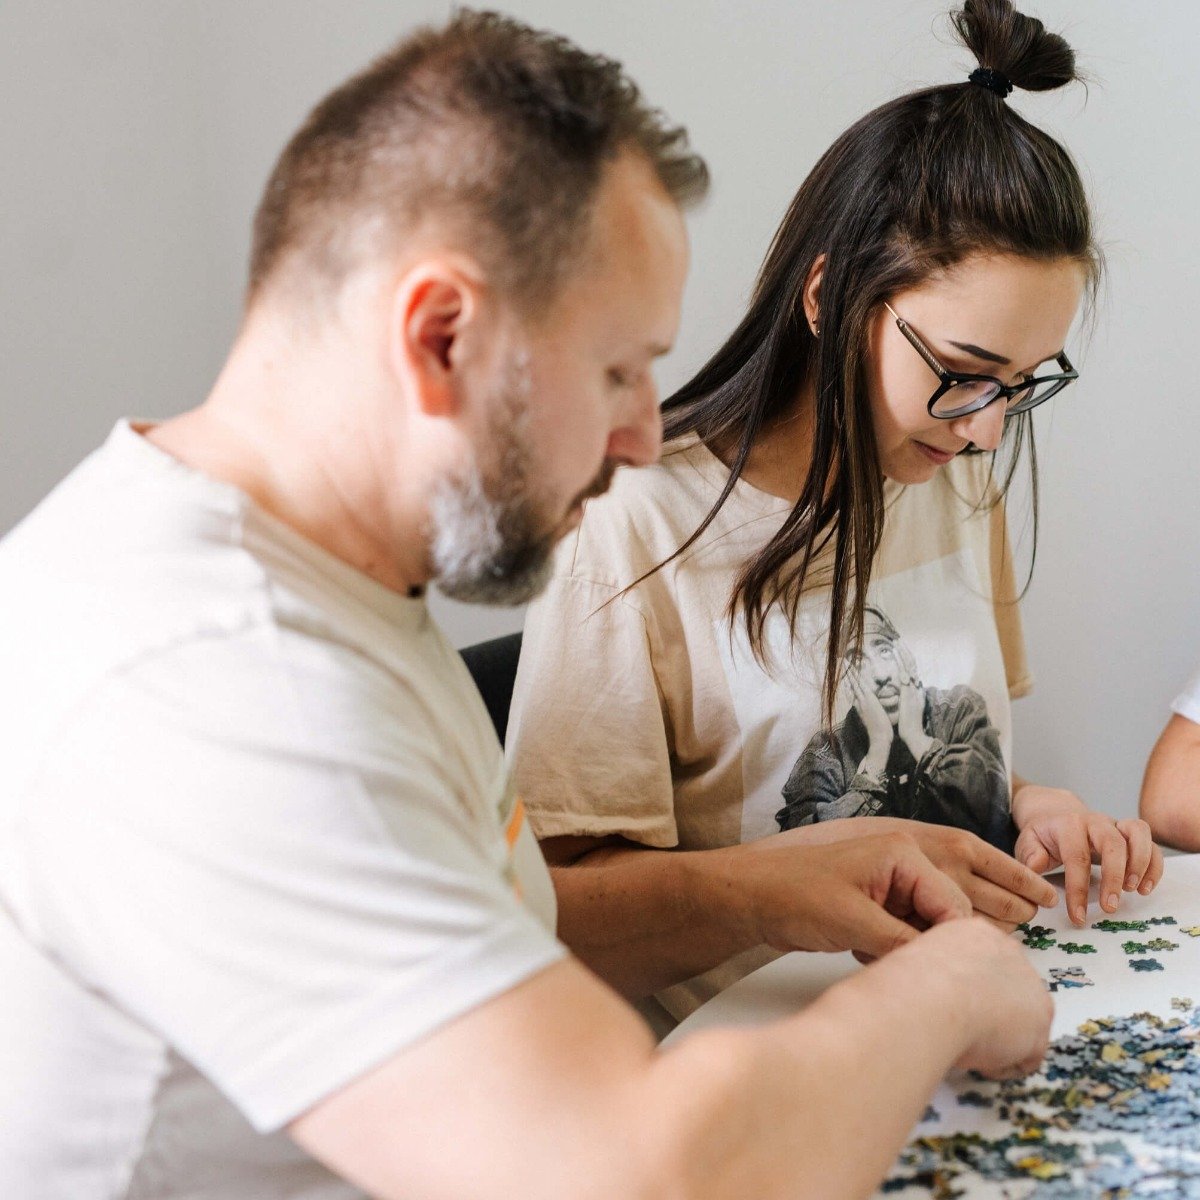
903	749
933	647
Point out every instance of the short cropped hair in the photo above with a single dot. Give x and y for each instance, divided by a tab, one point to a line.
500	130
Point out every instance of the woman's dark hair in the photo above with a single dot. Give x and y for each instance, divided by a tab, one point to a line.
913	187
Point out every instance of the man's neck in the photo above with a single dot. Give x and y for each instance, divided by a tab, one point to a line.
280	425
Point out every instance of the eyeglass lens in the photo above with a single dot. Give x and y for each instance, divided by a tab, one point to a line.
970	395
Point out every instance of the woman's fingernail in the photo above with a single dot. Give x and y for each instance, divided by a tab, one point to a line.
1112	901
1131	882
1077	916
1147	887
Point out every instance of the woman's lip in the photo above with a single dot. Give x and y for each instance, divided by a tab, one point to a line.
941	457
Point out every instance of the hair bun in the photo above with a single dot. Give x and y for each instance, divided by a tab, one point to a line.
1014	45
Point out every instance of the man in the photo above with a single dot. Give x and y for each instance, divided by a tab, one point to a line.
903	750
271	924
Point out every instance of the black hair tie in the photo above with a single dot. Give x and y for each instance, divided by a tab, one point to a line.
993	81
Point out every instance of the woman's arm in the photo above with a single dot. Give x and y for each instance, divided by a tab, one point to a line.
1170	801
645	919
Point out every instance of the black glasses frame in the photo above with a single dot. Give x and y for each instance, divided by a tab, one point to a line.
948	380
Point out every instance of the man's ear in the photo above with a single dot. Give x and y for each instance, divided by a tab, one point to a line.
812	295
435	306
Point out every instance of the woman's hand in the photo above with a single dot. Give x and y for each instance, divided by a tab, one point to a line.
867	894
1056	827
998	887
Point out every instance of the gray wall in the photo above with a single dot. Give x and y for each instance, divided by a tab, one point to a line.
138	134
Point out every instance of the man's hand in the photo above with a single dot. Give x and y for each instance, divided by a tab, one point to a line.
998	887
1057	828
867	894
1005	1003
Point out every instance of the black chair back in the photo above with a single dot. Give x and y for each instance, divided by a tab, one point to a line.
493	666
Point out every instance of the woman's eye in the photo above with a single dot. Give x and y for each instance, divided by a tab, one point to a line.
619	378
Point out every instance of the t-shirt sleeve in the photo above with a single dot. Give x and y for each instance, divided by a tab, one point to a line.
1187	703
1007	606
587	737
287	903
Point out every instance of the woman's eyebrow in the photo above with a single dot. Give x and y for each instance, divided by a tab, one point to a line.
986	355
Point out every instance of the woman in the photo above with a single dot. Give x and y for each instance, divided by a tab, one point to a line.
807	613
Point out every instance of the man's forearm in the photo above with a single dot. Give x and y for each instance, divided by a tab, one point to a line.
818	1105
645	919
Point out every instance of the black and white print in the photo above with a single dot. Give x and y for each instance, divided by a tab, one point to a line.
904	749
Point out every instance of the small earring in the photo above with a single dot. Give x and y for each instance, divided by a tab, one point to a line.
816	331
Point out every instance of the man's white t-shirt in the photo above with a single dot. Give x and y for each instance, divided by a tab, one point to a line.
256	836
1187	703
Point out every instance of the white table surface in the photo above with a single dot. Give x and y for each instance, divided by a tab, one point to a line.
789	983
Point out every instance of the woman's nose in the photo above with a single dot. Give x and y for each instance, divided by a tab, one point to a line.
984	428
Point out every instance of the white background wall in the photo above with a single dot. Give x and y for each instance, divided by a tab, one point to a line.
137	135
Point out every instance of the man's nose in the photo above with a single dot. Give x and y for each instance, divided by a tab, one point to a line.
637	439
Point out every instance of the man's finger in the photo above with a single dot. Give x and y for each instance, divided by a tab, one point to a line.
1113	854
996	923
1006	872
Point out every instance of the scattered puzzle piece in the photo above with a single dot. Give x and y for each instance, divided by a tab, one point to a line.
1077	948
1068	977
1161	944
1110	926
1181	1003
1038	937
1191	930
1145	964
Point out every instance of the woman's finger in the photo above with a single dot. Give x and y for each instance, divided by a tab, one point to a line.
1112	853
1075	853
1141	848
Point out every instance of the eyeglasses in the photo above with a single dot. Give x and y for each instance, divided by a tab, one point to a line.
959	394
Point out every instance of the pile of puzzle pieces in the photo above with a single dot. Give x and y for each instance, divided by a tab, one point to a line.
1113	1113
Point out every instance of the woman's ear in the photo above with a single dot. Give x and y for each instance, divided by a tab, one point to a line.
812	295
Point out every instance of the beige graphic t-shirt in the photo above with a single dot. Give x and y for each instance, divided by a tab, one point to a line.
646	714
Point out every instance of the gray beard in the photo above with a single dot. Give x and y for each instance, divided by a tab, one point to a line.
489	544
